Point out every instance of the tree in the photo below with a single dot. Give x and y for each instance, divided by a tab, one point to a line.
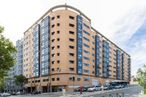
141	77
7	49
20	80
1	84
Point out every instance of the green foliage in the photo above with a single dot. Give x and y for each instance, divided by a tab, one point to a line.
20	80
1	84
144	91
141	77
1	29
7	49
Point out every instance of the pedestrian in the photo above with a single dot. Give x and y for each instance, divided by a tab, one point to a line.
81	89
63	91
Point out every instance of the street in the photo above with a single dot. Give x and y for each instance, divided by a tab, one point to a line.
59	95
132	91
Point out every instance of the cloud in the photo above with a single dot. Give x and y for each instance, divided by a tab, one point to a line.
107	16
137	50
127	26
130	34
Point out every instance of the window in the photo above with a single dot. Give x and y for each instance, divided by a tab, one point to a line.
72	47
53	33
85	64
86	39
58	32
53	62
58	61
53	26
87	52
53	55
53	18
53	40
58	70
86	71
71	17
53	79
70	78
71	54
58	24
53	48
86	58
58	16
86	26
71	61
70	39
71	32
44	80
52	69
71	25
71	69
36	81
58	79
58	54
86	79
78	79
86	45
58	39
58	46
86	32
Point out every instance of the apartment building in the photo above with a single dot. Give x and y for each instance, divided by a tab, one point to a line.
63	50
16	70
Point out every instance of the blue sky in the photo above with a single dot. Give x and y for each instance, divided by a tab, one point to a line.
131	35
122	21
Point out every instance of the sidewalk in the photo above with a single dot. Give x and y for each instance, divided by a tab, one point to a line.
142	95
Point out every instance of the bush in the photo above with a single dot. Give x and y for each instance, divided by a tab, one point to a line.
144	91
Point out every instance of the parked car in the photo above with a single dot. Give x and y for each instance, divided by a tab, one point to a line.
91	89
106	86
77	89
36	92
18	93
94	88
5	94
13	93
0	95
98	88
85	88
116	84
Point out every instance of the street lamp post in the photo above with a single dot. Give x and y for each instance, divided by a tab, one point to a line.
73	78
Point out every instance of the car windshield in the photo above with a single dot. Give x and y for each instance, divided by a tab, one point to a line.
98	86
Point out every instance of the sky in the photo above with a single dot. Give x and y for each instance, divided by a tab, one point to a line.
122	21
